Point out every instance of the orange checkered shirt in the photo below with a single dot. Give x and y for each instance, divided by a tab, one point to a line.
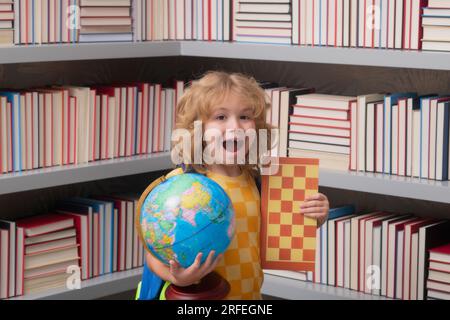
241	262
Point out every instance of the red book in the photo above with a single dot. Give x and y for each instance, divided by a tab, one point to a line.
44	224
35	226
441	254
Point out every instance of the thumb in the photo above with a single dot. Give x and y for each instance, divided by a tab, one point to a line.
174	267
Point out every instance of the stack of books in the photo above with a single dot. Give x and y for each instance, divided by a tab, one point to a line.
319	126
263	21
45	247
436	25
106	21
438	283
6	22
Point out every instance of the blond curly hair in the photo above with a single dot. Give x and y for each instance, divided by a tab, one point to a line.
200	98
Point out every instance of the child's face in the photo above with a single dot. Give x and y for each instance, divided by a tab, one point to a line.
229	120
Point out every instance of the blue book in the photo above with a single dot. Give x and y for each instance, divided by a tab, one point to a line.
389	101
333	213
14	99
106	218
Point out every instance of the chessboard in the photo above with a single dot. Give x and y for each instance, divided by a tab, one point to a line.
288	239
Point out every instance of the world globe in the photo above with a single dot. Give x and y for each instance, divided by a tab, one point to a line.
185	215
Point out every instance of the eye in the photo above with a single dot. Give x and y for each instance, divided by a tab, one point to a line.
220	117
245	117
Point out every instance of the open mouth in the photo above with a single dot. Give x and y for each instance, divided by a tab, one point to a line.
232	145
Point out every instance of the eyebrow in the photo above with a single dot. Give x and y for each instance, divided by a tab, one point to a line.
224	109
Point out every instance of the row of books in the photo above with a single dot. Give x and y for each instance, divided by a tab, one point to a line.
397	134
401	134
354	23
96	235
438	283
385	24
155	20
70	125
377	253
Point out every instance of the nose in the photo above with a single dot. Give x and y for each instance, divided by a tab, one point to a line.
233	123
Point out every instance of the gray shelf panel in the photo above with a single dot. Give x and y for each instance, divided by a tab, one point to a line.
292	289
327	55
87	51
215	49
414	188
63	175
95	288
275	286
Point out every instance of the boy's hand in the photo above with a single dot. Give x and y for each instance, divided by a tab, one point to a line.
185	277
316	207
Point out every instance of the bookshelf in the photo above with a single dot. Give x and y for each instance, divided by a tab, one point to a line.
328	55
98	170
95	288
274	285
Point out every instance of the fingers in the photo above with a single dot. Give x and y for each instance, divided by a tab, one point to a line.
312	204
317	196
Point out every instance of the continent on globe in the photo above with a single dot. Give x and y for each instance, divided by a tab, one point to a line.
185	215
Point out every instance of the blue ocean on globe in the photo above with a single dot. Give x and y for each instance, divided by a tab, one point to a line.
185	215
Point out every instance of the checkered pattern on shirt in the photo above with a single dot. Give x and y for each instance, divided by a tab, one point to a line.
241	265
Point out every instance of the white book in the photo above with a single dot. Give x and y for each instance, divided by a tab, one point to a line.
415	150
394	140
376	256
391	25
189	19
399	14
399	265
402	143
379	114
370	138
162	120
129	235
322	22
424	137
123	121
151	123
409	137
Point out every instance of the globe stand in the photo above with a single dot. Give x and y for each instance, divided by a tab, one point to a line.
211	287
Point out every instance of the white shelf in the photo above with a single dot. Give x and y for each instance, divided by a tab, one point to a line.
275	286
292	289
95	288
414	188
87	51
215	49
328	55
97	170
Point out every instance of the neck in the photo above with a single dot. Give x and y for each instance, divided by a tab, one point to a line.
231	171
